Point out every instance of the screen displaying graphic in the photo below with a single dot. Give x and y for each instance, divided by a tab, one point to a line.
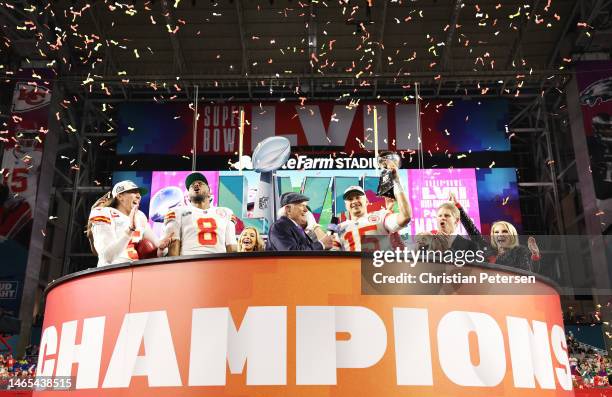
486	195
430	188
498	198
427	189
168	191
318	127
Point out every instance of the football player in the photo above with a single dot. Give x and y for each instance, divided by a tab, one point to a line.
20	166
199	228
118	225
362	231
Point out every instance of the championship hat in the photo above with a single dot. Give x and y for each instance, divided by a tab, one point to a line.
126	186
195	176
351	189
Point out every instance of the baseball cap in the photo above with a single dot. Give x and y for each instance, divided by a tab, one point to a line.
126	186
292	198
195	176
351	189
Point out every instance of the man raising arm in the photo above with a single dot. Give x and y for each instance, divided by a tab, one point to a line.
363	230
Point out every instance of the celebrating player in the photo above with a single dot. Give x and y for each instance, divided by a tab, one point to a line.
118	226
361	231
20	167
19	177
199	228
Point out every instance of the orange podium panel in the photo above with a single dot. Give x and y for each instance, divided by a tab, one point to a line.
292	324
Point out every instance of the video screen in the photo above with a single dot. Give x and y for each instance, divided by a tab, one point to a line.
487	195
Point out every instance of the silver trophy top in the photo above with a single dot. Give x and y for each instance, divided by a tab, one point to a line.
385	157
271	154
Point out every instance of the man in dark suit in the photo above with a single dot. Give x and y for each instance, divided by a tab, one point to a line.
448	221
288	234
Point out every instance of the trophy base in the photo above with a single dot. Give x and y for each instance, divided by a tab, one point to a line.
388	194
385	185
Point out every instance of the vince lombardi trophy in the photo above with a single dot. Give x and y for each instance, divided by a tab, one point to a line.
269	155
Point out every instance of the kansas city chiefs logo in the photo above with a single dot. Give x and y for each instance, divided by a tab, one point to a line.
28	97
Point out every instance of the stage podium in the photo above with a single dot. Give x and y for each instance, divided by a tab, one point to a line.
294	324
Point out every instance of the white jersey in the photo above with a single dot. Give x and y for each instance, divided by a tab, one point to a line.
112	238
363	234
20	172
201	231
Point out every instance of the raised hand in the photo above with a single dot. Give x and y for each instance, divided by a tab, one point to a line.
533	246
390	165
452	198
133	214
311	221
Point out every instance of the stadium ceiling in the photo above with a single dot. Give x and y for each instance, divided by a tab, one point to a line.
254	49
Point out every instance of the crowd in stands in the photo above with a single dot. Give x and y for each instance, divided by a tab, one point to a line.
12	367
590	366
570	316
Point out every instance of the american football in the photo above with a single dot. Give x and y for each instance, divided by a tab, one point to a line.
271	154
146	249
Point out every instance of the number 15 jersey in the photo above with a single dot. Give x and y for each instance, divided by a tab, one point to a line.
201	231
367	233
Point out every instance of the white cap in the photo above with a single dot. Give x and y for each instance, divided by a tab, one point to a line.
126	186
354	188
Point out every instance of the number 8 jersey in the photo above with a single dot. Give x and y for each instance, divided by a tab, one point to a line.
364	233
201	231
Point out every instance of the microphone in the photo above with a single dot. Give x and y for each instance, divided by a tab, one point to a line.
332	227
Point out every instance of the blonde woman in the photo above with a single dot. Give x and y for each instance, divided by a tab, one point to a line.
250	241
504	240
504	248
